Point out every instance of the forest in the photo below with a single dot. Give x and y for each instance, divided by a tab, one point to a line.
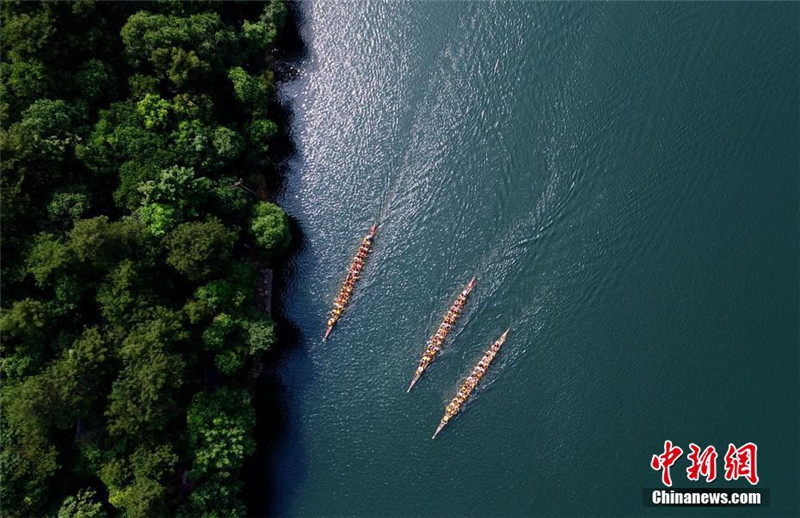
131	252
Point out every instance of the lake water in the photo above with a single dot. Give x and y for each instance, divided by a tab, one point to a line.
622	178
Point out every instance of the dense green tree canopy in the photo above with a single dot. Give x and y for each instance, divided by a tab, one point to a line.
270	228
130	255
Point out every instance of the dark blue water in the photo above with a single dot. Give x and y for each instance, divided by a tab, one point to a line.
623	180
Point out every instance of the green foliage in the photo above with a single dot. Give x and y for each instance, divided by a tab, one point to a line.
101	243
229	361
227	145
261	336
155	111
174	197
159	218
221	327
193	106
25	319
193	140
132	174
198	250
42	141
85	504
25	34
37	407
23	330
229	200
233	292
260	133
66	207
141	85
48	254
252	91
220	432
94	80
269	226
22	82
260	34
137	485
177	48
125	127
142	397
28	459
122	297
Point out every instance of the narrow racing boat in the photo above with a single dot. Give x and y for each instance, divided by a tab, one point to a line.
436	341
470	383
353	273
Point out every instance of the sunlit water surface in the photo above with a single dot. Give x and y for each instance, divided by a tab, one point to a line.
623	180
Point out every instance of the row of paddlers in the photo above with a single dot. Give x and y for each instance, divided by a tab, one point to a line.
353	273
434	345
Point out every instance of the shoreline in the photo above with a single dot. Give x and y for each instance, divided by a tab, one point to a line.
268	390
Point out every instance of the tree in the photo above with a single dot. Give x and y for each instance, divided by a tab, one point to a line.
124	299
85	504
269	226
221	327
101	243
252	91
261	336
181	49
174	197
220	433
48	254
142	398
155	111
200	249
26	34
260	133
139	484
261	33
144	395
23	329
190	106
49	127
94	81
123	137
28	459
66	207
141	85
21	83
